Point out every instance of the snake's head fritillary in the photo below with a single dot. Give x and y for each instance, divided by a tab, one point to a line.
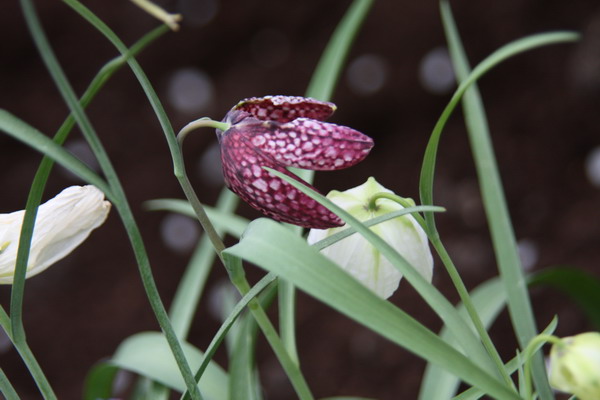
279	132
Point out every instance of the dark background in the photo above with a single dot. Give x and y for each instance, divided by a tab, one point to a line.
543	113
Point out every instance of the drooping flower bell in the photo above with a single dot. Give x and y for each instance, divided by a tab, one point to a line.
62	224
575	365
280	132
358	257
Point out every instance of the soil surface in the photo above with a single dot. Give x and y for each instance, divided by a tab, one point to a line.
542	108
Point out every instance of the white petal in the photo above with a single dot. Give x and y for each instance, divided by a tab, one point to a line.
61	225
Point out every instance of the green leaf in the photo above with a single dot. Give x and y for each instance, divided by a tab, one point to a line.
582	287
149	355
277	249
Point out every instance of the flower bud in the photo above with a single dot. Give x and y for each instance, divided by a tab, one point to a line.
363	261
62	223
575	365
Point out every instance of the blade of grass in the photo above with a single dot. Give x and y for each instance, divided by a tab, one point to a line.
494	202
120	200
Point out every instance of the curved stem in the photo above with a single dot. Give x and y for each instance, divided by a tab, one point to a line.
204	122
461	289
188	190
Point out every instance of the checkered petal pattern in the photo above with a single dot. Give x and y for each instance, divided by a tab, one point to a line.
280	132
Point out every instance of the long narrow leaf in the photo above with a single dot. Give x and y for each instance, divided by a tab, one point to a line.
277	249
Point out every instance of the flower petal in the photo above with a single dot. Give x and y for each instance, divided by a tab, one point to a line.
309	144
244	175
285	108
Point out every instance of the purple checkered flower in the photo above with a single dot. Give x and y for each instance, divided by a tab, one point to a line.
279	132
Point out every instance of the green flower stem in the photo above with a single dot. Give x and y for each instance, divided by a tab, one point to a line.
237	276
28	358
188	190
463	293
528	354
200	123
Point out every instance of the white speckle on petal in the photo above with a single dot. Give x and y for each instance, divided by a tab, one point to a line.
260	184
